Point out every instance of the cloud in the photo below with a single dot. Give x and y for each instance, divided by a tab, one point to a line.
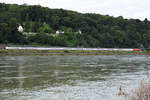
125	8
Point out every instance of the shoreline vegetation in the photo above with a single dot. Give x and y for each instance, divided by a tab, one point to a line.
141	92
16	52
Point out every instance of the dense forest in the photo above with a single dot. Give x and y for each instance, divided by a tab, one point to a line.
76	29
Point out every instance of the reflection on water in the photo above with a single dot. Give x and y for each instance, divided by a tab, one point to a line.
70	77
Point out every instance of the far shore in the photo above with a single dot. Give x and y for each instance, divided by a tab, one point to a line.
16	52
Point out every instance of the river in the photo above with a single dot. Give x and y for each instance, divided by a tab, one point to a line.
70	77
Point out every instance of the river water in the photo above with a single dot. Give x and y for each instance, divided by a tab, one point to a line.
70	77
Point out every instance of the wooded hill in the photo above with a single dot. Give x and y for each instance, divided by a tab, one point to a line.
80	30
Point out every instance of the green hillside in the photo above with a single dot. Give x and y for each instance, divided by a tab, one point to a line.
76	29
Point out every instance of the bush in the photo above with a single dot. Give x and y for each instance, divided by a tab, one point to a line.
142	92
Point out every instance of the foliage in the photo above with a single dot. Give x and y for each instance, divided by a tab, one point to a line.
141	93
97	30
46	28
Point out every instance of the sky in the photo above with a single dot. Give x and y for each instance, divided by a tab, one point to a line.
137	9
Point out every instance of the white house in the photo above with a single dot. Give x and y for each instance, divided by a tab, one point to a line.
20	28
80	32
59	32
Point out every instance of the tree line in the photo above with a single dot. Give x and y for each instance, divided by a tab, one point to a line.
97	30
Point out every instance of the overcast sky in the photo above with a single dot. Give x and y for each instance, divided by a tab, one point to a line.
127	8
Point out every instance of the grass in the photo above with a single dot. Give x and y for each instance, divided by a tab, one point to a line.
68	52
142	92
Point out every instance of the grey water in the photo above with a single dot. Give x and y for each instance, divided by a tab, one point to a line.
70	77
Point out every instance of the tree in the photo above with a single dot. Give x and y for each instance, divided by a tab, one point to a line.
42	38
97	30
46	28
4	30
146	40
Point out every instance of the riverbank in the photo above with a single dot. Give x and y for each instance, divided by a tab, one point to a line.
67	52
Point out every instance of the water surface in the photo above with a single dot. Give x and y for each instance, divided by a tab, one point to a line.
70	77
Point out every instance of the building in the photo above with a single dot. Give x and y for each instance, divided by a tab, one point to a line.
80	32
59	32
20	28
